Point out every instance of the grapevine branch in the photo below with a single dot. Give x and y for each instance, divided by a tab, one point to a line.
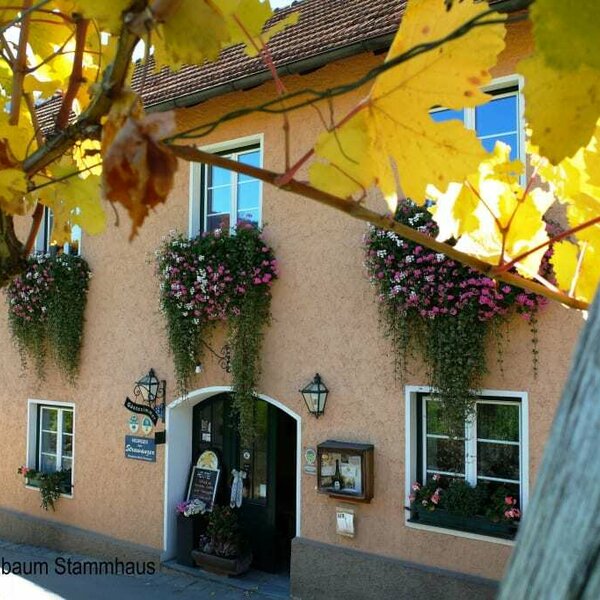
362	213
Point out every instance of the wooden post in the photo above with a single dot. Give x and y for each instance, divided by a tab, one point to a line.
558	545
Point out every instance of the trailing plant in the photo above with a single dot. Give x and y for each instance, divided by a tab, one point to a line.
213	278
51	485
435	306
46	307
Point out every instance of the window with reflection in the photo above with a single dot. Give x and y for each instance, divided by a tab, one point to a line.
489	452
228	197
55	440
497	120
46	244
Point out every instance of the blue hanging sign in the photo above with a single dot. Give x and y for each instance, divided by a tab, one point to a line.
140	448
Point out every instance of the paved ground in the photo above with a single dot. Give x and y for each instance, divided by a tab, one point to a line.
58	584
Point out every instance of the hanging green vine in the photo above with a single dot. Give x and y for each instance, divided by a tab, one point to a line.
46	306
213	278
432	305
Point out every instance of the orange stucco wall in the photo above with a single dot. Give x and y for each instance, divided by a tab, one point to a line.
325	319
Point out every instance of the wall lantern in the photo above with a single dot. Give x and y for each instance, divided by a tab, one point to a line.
152	391
315	396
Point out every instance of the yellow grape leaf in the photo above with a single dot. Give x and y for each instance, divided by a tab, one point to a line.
491	217
223	23
346	151
246	24
74	201
13	187
454	211
87	157
195	32
106	13
567	33
46	88
560	106
577	268
399	124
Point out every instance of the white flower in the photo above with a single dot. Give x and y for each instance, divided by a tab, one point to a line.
381	253
440	257
410	258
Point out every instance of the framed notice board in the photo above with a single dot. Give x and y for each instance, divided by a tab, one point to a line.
203	486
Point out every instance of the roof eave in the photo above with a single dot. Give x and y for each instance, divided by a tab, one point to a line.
311	63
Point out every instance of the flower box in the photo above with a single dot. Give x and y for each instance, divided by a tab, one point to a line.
475	524
231	567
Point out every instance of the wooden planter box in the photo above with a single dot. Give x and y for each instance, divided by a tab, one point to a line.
222	566
476	524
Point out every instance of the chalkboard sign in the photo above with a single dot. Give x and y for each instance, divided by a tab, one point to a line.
203	486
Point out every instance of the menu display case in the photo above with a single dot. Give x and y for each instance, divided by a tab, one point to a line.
345	470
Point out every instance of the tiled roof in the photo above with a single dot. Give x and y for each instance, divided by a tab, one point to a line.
326	31
324	25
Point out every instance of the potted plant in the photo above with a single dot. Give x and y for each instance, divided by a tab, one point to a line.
51	485
222	548
186	513
457	505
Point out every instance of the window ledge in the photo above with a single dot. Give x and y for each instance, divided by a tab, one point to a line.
455	532
37	489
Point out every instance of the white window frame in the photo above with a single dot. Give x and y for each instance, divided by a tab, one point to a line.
197	191
413	395
34	426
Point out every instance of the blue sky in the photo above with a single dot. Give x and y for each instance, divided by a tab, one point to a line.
280	3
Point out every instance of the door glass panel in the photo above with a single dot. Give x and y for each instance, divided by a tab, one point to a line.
254	459
260	453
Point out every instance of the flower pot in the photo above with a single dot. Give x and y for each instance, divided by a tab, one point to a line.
473	524
222	566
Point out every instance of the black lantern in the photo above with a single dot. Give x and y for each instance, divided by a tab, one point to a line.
151	389
315	396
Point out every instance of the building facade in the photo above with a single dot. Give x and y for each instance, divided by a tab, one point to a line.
325	320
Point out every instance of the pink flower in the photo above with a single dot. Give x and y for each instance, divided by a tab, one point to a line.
509	500
436	477
412	497
416	486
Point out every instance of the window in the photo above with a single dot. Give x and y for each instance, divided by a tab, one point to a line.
45	244
490	451
498	120
220	198
51	437
492	457
229	197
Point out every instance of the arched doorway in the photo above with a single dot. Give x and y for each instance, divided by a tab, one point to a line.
271	510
